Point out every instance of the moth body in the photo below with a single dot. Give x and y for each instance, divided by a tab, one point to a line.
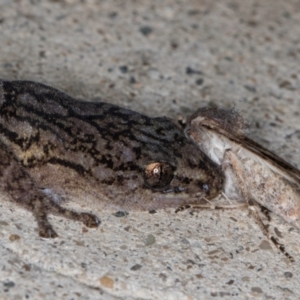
252	173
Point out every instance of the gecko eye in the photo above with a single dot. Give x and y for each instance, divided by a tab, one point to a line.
158	175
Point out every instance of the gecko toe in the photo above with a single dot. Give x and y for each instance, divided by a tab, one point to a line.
47	232
89	220
183	207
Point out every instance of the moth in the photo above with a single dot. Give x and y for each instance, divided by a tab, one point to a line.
253	174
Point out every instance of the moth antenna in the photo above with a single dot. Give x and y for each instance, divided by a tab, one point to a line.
207	200
225	196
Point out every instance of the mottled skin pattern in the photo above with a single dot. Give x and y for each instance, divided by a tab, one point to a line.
53	147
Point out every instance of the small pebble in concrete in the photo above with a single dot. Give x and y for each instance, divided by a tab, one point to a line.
14	237
146	30
107	282
121	214
136	267
150	240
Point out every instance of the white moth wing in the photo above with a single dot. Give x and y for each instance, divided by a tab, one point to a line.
225	129
248	167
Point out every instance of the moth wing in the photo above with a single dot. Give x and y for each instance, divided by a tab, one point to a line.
273	161
231	125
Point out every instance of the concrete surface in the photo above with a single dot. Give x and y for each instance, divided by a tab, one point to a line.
160	58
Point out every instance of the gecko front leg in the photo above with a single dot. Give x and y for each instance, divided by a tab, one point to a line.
17	183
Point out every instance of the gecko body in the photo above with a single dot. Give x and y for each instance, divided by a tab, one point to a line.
54	147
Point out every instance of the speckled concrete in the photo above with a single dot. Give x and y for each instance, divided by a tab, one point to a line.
160	58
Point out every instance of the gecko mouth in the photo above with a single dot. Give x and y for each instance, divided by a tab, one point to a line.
180	194
171	200
176	190
186	193
160	200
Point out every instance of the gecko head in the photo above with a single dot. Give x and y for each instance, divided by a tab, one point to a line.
158	166
190	180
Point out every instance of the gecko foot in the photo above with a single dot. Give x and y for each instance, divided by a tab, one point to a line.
266	212
181	208
46	231
45	228
89	220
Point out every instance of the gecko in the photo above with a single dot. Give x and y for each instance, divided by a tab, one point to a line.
54	148
253	174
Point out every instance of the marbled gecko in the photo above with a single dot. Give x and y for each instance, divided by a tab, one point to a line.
53	147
